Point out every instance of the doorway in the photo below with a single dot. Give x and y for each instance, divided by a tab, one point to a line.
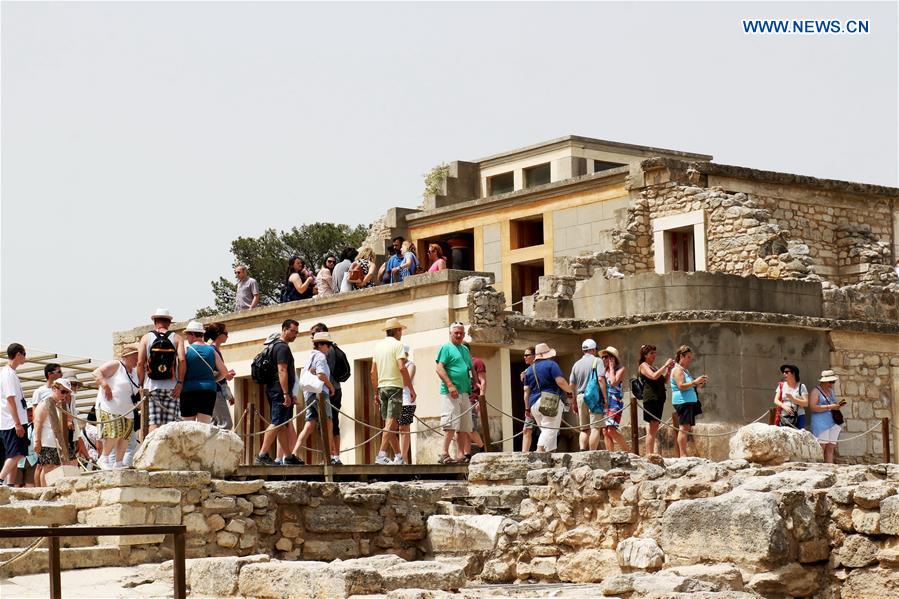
366	411
516	367
525	281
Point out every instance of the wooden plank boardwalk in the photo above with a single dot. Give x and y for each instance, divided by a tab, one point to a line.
356	472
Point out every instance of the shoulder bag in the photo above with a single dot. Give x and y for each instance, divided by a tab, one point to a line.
837	414
548	403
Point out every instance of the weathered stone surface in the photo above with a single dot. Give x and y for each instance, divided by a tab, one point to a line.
866	521
587	565
295	492
217	576
740	526
305	580
226	539
190	446
424	575
889	515
725	576
765	444
870	495
857	551
639	553
867	583
790	480
237	487
195	523
645	583
792	580
115	515
180	479
330	549
140	495
342	518
464	534
508	467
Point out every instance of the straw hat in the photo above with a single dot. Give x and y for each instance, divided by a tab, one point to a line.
162	313
322	337
828	376
392	323
129	350
195	326
610	351
64	383
543	351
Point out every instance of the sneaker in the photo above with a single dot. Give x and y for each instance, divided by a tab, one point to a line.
103	463
398	460
263	459
279	461
335	461
382	459
118	466
292	460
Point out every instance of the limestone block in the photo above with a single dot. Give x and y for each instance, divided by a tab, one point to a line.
539	568
330	549
106	479
226	539
219	504
424	575
816	550
218	576
290	530
624	514
888	556
857	551
115	515
342	518
140	495
120	540
865	583
215	522
724	576
180	479
247	541
499	570
237	487
4	494
790	480
260	502
870	495
195	523
244	506
190	446
60	473
167	515
644	584
765	444
866	521
506	466
465	534
889	515
236	526
744	527
587	565
284	544
294	492
791	580
639	553
266	524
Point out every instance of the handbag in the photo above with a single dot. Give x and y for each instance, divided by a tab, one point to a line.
837	414
310	383
548	403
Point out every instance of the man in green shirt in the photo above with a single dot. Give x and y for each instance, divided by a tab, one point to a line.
389	376
454	370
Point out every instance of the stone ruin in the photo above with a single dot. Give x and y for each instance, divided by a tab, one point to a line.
586	524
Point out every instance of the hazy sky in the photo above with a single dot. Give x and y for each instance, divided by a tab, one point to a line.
138	139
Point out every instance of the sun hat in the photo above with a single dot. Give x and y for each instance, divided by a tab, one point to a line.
828	376
195	326
610	351
322	337
392	323
129	350
64	383
588	344
543	351
162	313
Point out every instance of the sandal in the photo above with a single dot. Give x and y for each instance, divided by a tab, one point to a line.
445	459
463	460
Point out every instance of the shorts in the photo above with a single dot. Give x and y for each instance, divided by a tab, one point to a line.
475	417
112	426
586	418
406	415
13	443
455	414
49	456
335	405
162	407
391	399
197	402
311	400
687	412
616	408
529	422
278	412
652	410
829	436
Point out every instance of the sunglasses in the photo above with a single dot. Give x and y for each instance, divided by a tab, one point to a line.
65	391
528	355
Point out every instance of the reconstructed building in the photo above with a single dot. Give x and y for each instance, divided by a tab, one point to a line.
627	244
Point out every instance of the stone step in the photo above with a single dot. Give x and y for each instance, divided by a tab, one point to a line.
38	513
97	556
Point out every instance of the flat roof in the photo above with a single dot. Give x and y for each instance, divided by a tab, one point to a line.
590	141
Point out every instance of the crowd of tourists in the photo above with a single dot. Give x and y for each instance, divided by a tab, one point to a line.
353	269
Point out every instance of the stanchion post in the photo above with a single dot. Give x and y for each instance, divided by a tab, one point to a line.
675	423
144	415
635	436
53	562
771	416
251	433
326	438
885	428
178	567
485	423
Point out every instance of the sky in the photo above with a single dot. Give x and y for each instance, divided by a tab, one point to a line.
138	139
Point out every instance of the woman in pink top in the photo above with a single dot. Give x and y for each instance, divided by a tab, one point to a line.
438	262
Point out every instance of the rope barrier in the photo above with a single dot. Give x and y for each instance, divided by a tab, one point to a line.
22	553
236	427
695	434
553	428
860	434
117	418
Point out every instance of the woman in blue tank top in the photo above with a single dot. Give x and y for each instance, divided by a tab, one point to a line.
684	397
204	368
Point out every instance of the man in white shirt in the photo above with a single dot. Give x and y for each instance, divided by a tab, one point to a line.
52	372
13	415
246	296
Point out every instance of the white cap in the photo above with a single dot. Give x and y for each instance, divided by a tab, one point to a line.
588	344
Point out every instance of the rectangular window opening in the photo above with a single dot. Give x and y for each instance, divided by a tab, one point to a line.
602	165
502	183
525	281
526	232
681	251
536	175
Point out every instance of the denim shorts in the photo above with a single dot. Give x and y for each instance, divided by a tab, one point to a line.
277	410
312	406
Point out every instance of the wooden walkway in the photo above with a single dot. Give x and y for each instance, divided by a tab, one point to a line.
360	472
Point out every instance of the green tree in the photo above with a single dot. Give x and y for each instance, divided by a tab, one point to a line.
266	259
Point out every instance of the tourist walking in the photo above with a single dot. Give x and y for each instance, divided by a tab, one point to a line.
454	370
389	375
590	423
362	271
316	364
408	265
408	411
298	281
13	414
684	396
615	404
827	420
117	384
52	372
478	389
527	430
388	273
435	255
204	370
342	270
324	280
160	370
280	392
336	398
654	380
547	384
247	294
50	442
216	334
791	398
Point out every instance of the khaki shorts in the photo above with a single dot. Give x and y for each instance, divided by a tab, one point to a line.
585	416
451	415
391	402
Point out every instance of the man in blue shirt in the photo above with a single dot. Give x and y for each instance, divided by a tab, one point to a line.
385	274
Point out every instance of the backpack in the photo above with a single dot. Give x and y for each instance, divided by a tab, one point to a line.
592	393
637	387
162	356
341	372
263	369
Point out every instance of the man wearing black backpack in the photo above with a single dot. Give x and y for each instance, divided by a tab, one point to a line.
340	372
279	390
160	370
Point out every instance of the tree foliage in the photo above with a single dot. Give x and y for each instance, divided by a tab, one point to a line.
266	259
